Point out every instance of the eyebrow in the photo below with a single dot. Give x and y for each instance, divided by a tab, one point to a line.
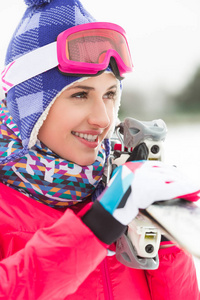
112	87
84	87
89	88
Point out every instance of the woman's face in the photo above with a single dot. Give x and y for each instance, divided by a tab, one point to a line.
80	118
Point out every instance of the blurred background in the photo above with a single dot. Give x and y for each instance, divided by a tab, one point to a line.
164	39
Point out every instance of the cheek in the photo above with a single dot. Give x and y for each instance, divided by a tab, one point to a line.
110	129
112	117
111	113
65	117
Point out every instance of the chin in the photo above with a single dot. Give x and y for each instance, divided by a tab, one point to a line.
82	159
85	161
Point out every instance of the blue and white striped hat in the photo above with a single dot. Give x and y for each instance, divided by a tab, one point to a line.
42	22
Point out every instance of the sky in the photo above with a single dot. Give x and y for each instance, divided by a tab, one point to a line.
163	37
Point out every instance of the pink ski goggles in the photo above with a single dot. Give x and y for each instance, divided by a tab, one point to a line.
87	49
81	50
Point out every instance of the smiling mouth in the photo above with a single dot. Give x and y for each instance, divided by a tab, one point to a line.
87	137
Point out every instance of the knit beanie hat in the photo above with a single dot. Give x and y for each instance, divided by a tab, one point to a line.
42	22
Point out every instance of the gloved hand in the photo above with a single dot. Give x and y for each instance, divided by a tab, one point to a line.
135	185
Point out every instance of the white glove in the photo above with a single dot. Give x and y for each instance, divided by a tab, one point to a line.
138	184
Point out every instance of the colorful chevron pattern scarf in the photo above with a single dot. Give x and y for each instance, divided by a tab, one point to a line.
41	173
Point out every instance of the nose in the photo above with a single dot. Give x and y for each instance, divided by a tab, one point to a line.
99	114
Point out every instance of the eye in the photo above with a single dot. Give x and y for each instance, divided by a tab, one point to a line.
80	95
110	95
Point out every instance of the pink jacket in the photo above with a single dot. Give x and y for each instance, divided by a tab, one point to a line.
47	254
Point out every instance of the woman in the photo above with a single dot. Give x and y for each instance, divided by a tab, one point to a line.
54	139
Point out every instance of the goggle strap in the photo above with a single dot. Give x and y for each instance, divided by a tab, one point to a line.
29	65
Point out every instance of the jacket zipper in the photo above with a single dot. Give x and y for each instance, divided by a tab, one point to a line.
106	281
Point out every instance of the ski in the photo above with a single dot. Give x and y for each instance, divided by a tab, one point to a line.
179	220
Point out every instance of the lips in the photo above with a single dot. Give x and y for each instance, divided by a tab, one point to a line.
85	136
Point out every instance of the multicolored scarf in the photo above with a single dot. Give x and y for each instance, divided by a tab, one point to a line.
41	173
